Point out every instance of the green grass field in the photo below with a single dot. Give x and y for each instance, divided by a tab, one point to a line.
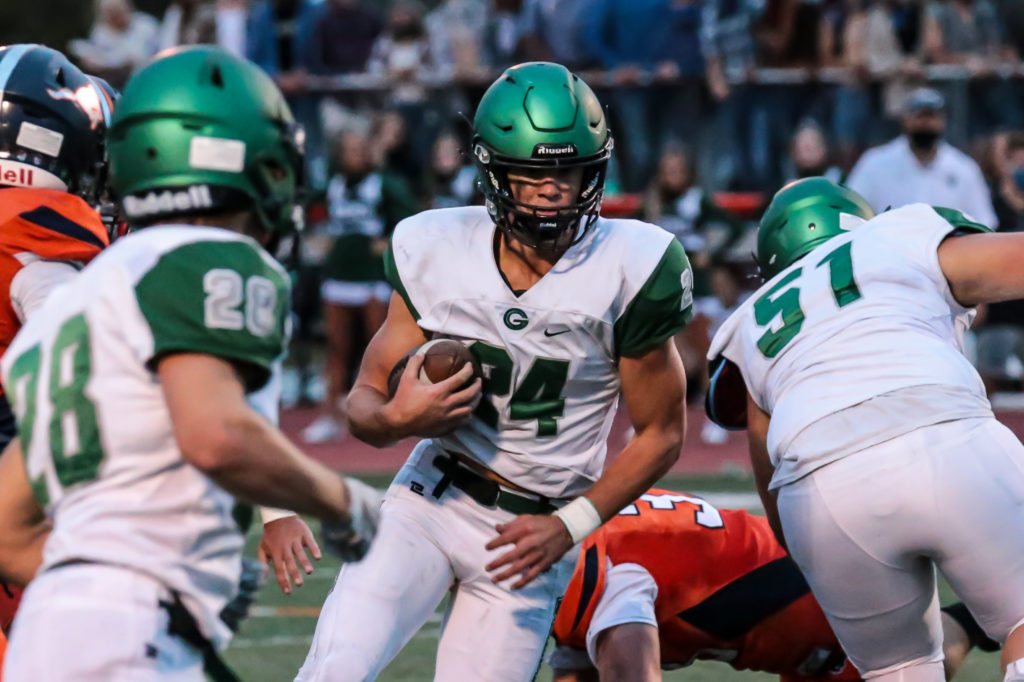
274	641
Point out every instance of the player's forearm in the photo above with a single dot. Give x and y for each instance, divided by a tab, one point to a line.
368	419
255	462
761	463
647	457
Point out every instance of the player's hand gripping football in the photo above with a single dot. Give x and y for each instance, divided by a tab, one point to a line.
285	542
539	541
428	410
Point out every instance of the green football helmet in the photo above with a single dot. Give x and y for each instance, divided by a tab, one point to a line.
200	131
803	215
540	116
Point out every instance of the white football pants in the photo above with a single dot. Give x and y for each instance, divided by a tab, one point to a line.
868	530
424	547
96	623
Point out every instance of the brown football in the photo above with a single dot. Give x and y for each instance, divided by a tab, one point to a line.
441	359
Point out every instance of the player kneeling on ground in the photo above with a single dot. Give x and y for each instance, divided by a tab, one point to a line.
130	389
563	310
874	446
672	580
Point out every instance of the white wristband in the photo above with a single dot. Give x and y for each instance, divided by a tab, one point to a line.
269	514
580	518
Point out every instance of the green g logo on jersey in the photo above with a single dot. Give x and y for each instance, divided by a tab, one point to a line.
515	319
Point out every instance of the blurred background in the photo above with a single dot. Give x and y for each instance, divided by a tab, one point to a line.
714	104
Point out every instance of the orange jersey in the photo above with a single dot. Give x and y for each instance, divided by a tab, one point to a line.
44	223
726	589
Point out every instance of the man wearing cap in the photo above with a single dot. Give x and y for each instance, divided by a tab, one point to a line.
919	166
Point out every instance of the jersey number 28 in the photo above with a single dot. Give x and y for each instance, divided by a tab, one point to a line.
72	431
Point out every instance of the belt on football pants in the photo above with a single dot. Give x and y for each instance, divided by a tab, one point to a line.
181	624
484	491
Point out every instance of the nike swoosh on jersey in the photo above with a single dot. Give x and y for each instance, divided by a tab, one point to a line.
548	332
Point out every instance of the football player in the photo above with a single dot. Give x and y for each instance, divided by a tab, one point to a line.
53	120
565	311
130	390
672	580
874	446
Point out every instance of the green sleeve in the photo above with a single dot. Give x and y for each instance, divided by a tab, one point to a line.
395	280
962	223
219	298
660	309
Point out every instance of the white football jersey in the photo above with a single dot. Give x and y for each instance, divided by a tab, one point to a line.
550	355
864	315
97	436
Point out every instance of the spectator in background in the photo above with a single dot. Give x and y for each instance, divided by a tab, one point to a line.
189	22
503	34
709	313
364	204
1001	339
919	166
121	40
878	42
449	182
841	43
344	36
788	35
727	40
643	41
278	42
392	151
553	32
456	30
402	54
967	32
675	202
808	154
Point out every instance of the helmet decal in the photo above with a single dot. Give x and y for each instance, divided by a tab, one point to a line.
85	98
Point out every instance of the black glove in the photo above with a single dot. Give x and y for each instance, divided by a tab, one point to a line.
343	541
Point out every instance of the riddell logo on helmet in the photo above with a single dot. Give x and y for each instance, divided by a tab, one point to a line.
545	149
169	201
22	177
17	174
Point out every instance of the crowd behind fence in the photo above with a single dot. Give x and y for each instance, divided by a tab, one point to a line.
714	104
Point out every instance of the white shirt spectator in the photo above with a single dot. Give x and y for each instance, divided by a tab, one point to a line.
111	46
891	176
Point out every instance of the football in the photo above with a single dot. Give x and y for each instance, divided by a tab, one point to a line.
441	359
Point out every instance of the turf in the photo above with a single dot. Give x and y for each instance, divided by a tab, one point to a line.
273	641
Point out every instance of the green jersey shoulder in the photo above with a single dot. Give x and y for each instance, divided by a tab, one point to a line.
206	290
